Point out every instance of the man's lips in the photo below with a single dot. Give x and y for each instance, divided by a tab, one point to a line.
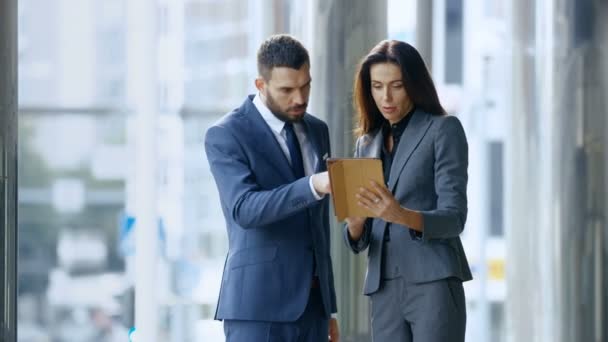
297	110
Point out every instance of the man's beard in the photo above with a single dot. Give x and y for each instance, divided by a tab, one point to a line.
282	115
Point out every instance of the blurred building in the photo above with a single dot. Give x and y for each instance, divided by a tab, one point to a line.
527	79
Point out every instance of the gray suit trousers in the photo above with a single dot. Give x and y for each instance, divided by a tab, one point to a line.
424	312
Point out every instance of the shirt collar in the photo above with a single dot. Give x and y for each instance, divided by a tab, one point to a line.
272	121
397	129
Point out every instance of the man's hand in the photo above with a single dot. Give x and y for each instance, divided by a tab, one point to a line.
320	181
334	332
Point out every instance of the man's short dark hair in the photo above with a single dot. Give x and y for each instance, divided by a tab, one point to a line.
281	51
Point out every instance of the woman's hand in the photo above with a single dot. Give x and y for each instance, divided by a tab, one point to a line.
380	201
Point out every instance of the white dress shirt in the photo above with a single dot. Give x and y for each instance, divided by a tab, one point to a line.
278	129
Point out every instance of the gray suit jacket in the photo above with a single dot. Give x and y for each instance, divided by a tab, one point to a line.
428	174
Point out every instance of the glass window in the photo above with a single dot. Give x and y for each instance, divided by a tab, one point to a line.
497	322
495	188
77	157
454	44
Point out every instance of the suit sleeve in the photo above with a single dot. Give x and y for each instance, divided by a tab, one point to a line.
249	205
362	243
325	217
451	162
334	301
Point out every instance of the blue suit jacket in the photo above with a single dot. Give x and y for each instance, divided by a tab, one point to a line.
428	174
275	225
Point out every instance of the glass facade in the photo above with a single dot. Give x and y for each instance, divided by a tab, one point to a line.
76	163
8	170
77	150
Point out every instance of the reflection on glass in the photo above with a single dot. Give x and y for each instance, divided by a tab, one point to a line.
77	138
72	280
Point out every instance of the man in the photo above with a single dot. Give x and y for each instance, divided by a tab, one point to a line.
268	161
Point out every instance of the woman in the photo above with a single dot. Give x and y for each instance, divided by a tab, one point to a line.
416	262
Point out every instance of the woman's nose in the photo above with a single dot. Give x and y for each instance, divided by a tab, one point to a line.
387	96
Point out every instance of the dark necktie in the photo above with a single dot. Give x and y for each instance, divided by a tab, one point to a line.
297	165
294	151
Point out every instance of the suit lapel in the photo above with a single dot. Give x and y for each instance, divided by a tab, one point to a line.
413	134
264	140
315	143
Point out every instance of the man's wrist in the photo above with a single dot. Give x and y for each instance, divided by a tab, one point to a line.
312	189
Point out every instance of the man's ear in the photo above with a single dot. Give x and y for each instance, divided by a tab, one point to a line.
260	84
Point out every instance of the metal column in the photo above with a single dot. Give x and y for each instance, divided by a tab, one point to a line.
424	31
8	170
345	31
143	97
557	238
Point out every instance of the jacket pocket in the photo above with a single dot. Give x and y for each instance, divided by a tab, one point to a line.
253	255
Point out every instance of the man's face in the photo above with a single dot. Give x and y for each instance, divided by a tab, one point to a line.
286	92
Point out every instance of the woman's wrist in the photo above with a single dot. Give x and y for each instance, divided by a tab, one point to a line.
412	219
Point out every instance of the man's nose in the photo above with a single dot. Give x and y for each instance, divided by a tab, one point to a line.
299	98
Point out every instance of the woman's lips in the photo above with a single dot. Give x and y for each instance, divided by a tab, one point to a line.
388	109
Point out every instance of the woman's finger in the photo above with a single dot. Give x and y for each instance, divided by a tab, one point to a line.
380	190
369	196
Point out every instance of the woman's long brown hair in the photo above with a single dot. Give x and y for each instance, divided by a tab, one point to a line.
416	80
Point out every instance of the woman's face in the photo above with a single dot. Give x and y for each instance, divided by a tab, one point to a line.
388	91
